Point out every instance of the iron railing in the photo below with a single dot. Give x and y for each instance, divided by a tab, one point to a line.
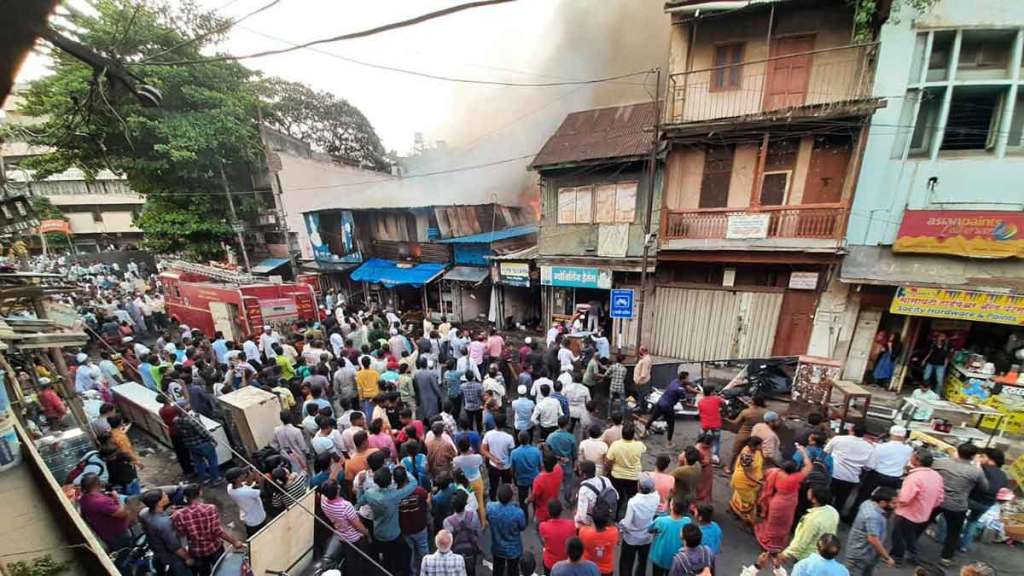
818	222
813	79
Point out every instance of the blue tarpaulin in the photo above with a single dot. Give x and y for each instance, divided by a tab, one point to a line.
391	273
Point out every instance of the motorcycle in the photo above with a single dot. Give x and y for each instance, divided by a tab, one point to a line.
764	378
135	559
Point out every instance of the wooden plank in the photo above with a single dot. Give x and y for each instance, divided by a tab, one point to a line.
285	540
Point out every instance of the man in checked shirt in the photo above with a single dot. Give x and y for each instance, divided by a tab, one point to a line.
199	523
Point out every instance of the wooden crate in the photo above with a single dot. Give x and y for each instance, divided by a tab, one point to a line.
251	415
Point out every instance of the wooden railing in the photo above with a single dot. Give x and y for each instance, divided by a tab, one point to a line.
816	78
818	221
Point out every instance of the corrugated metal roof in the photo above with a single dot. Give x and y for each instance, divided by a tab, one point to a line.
524	254
488	237
601	133
471	274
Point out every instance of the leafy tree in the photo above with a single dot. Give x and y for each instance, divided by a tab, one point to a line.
328	123
173	153
208	119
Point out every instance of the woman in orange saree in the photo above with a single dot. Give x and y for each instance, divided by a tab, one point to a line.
778	502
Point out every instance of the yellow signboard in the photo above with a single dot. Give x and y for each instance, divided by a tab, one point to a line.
959	305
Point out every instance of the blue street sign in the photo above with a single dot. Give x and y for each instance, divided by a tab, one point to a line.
622	303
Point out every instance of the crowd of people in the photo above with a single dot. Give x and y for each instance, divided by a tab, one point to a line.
407	430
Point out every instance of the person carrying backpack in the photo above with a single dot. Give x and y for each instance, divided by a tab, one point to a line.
596	493
466	532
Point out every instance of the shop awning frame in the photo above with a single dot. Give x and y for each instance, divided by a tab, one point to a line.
391	273
488	237
474	275
268	265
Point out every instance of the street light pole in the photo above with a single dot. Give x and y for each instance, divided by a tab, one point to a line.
234	218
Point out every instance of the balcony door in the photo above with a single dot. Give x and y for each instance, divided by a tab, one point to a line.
788	77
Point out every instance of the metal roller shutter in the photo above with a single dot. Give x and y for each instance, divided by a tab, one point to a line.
696	324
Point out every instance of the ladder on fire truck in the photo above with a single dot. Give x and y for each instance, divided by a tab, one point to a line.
212	272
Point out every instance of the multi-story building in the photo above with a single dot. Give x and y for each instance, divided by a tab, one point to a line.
765	118
596	200
100	211
934	239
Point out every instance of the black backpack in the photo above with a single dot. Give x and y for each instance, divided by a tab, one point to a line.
607	498
819	474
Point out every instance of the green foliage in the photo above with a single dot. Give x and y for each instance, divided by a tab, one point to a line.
865	11
44	209
42	566
328	123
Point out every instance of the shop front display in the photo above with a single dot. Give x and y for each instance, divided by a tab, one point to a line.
576	293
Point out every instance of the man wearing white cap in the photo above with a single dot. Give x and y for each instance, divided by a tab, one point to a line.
267	341
886	466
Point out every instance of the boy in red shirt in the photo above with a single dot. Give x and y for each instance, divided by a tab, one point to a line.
52	405
554	533
546	486
710	410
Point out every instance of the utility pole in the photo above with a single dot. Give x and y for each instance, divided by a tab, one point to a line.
235	224
652	171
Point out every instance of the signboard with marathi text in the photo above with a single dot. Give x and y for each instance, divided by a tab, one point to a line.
962	233
747	226
55	227
576	277
959	305
514	273
621	303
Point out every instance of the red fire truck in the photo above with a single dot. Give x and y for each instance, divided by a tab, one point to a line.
209	299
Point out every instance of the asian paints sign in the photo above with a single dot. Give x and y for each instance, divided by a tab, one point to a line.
961	233
576	277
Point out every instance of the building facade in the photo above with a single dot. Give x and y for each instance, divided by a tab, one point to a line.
100	211
597	204
765	120
934	239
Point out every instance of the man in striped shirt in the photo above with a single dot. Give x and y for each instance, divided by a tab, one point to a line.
350	533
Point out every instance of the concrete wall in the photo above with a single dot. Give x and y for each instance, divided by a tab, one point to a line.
581	239
887	184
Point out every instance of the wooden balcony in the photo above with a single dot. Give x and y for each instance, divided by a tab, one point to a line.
814	223
802	82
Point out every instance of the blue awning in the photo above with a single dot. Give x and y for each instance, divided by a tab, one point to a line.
488	237
267	266
391	273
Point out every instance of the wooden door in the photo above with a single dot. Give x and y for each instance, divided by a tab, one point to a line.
788	78
827	171
796	318
860	345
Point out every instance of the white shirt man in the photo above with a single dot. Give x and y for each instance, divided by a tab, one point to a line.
251	350
850	454
566	358
578	396
546	412
535	387
337	343
267	341
587	496
891	458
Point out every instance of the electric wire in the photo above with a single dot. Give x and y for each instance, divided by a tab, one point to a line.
222	28
350	36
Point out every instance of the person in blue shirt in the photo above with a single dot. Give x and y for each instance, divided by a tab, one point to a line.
666	405
441	500
388	543
562	443
526	462
522	409
823	562
507	523
146	372
709	528
466	431
667	537
220	348
816	452
416	463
